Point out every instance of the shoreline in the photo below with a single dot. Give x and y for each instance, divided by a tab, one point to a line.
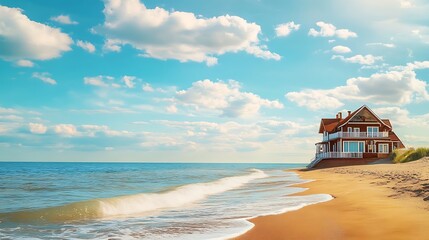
383	201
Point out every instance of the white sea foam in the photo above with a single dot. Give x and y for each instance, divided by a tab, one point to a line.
178	197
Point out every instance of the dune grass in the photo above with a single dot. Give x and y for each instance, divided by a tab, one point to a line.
408	155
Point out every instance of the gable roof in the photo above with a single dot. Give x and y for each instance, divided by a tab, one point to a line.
349	117
330	124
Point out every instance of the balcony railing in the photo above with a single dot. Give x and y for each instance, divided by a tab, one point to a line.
356	135
324	155
339	155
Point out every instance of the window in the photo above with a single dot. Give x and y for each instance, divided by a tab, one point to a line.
351	146
372	131
383	148
349	129
371	147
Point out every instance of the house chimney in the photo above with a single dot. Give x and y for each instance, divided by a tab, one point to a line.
349	112
340	115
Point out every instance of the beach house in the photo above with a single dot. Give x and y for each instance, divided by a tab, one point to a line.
360	137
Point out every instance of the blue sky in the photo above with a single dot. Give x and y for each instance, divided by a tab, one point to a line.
204	81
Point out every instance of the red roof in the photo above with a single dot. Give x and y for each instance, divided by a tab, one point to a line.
387	122
330	124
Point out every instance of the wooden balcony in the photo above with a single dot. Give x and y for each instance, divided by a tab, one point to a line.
359	135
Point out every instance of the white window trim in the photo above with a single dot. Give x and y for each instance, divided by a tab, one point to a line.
363	143
380	148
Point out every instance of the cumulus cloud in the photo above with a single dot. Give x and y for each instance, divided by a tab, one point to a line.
183	36
25	63
225	97
101	81
418	65
284	29
341	49
359	59
37	128
87	46
314	99
146	87
129	81
393	87
64	19
44	77
329	30
68	130
22	38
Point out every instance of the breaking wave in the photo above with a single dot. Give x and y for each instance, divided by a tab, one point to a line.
133	204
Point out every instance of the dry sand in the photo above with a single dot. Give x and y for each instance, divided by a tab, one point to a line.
385	201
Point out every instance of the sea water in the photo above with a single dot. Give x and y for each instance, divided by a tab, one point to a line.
142	200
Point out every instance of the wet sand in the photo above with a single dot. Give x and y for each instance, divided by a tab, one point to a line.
385	201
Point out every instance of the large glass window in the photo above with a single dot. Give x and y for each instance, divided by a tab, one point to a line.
352	146
372	131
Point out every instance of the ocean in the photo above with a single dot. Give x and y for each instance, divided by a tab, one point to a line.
142	200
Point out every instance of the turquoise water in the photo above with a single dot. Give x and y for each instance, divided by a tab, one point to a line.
142	200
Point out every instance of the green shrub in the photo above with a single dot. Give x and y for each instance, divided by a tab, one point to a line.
408	155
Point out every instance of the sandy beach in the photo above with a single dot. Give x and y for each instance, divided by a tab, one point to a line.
382	201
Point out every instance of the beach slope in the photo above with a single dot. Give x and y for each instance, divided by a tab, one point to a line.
385	201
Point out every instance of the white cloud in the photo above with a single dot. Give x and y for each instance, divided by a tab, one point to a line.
8	110
37	128
341	49
329	30
45	77
129	81
390	88
87	46
147	87
418	65
66	130
284	29
388	45
178	35
64	19
26	39
314	99
96	130
261	52
225	97
235	136
406	4
11	118
171	109
25	63
360	59
99	81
